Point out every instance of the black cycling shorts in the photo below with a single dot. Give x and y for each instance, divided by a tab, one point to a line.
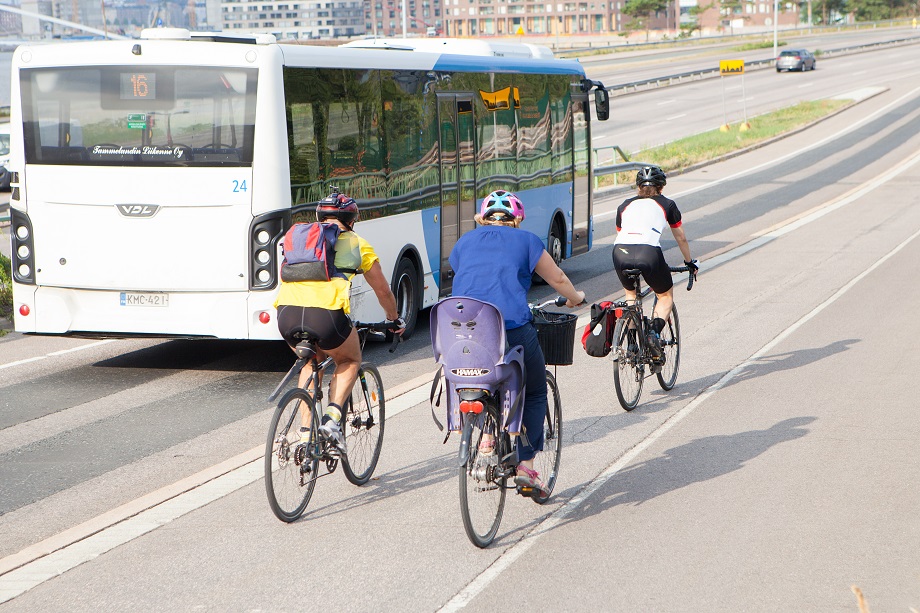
330	328
650	260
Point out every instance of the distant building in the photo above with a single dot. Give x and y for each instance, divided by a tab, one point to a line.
384	18
297	20
33	27
464	18
736	17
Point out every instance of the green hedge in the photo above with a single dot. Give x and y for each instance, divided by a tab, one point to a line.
6	287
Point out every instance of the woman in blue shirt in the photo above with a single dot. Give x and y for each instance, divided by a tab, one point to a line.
495	264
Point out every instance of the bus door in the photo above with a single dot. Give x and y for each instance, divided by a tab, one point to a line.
582	209
456	161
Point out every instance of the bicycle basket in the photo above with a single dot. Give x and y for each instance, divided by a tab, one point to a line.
556	334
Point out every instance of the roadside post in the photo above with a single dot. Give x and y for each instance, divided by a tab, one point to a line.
729	68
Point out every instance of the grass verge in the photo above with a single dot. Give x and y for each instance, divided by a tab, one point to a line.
692	150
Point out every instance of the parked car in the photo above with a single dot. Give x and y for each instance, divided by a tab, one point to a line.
5	157
795	59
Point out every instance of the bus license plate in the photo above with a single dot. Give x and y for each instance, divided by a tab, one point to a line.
137	299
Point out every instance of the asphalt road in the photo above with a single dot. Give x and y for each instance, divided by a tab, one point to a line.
777	475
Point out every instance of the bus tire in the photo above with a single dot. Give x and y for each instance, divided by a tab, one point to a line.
555	246
406	289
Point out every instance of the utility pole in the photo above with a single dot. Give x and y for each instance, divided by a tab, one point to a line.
405	17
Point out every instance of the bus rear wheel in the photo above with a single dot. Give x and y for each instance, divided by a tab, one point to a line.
555	247
406	290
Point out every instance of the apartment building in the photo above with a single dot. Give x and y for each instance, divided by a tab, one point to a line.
384	18
300	20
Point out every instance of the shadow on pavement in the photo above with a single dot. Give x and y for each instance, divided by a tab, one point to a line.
694	462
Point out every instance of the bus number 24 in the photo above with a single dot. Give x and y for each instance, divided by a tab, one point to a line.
239	186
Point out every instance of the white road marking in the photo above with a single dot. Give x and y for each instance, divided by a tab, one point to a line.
673	117
55	353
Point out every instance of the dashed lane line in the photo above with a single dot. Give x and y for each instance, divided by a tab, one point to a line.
56	353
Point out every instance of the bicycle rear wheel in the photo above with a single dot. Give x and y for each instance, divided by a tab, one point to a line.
291	463
483	478
670	343
547	461
628	368
364	420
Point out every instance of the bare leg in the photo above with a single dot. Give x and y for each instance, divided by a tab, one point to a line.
347	358
663	307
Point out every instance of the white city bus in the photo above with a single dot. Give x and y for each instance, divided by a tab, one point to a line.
153	178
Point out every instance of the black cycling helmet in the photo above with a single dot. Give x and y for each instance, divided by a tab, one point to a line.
339	206
651	175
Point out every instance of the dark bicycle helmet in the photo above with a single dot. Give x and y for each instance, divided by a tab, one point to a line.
339	206
503	202
651	175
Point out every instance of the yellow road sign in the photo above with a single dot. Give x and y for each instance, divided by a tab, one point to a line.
730	67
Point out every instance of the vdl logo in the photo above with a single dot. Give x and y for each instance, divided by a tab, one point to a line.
138	210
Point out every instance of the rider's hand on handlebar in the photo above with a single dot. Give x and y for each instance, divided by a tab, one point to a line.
400	324
582	300
694	266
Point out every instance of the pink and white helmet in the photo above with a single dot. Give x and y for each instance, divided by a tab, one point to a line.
501	201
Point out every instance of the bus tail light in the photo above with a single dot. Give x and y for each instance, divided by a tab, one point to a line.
23	248
264	235
24	310
265	317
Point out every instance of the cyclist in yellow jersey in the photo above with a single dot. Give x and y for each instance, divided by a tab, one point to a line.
321	309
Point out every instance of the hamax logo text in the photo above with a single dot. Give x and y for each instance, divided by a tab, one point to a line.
138	210
470	372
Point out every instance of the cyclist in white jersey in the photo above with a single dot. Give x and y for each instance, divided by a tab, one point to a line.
640	222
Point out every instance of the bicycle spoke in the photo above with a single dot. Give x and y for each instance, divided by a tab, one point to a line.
628	368
670	340
364	420
483	480
290	460
547	461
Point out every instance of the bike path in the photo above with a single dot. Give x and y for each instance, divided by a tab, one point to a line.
424	516
692	464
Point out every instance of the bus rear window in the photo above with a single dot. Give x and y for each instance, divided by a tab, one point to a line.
130	116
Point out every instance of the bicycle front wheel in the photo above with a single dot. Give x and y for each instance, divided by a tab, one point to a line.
364	420
628	368
670	343
483	478
291	461
547	461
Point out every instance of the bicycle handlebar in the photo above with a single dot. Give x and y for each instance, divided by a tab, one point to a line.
557	301
690	279
382	326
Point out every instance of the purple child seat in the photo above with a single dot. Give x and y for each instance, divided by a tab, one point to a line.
468	338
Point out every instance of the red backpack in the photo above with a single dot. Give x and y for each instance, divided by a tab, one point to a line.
309	253
598	334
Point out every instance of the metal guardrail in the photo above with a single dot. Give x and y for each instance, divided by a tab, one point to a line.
698	75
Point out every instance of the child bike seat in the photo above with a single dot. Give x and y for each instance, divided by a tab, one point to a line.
468	339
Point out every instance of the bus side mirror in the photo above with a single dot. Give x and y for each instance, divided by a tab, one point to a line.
602	103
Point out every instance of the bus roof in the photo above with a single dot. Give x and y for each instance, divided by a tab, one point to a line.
447	55
456	46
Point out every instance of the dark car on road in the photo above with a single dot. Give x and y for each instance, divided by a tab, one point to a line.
795	59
